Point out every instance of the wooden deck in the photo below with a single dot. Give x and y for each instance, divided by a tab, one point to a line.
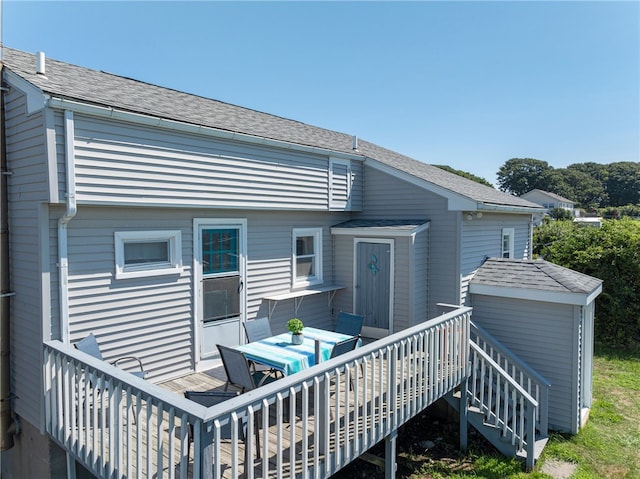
291	439
309	424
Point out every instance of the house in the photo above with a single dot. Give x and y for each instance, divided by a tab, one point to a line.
161	221
549	200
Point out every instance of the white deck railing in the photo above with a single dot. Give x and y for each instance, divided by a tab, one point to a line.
526	377
309	424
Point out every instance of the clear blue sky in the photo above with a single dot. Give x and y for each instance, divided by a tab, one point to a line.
467	84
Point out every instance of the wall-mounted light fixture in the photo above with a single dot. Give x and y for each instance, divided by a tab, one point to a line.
474	214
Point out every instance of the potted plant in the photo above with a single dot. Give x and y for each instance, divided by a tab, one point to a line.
295	327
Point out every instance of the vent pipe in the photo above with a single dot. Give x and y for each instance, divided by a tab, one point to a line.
40	64
354	144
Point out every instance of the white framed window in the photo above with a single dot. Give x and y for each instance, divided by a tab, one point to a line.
147	253
307	256
507	242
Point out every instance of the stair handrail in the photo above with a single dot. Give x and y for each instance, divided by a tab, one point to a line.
513	363
532	411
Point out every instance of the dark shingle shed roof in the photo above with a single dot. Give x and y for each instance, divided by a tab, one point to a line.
534	278
73	82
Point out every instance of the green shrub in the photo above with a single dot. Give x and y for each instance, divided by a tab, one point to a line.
610	253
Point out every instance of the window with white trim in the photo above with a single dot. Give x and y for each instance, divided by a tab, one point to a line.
307	256
147	253
507	242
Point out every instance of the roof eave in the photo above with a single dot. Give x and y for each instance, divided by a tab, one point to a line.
155	121
567	297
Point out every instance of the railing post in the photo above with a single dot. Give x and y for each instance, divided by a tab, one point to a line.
206	450
390	454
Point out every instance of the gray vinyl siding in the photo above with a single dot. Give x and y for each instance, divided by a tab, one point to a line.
130	164
543	335
387	197
152	317
482	239
343	255
419	264
27	188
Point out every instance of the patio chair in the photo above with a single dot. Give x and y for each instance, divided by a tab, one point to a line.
259	328
349	323
90	346
239	374
238	370
344	346
208	399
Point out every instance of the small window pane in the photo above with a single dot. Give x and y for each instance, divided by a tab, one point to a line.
221	298
147	252
304	245
304	267
220	250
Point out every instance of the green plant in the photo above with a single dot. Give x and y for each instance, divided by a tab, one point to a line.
295	326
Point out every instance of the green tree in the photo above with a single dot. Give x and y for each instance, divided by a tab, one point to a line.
520	175
611	253
464	174
623	183
578	186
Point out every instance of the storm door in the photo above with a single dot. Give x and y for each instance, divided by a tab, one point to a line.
374	286
220	276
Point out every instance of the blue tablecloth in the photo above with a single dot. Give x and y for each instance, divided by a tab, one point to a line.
280	353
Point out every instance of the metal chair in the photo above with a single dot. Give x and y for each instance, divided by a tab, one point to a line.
239	374
259	328
238	370
90	346
344	346
349	323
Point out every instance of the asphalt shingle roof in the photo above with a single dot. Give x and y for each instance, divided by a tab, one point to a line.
533	274
105	89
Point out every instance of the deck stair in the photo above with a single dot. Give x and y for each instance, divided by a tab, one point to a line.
506	401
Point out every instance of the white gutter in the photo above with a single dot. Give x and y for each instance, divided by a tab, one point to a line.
138	118
63	260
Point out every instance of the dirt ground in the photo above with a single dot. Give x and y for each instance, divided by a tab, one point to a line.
432	437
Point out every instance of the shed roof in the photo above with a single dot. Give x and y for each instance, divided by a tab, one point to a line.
534	279
380	227
100	88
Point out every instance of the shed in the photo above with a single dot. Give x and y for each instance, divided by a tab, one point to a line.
545	313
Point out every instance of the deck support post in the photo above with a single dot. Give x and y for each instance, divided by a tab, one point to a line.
390	455
464	411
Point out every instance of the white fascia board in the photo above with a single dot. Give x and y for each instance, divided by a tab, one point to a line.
36	98
578	299
493	208
455	201
148	120
379	232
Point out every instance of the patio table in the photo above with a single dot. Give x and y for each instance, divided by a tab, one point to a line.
280	353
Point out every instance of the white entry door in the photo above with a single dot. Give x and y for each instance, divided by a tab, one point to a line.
220	268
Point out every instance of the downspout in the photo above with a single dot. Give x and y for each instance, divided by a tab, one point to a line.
7	425
70	212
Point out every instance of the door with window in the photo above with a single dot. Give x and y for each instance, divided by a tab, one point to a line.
220	267
374	285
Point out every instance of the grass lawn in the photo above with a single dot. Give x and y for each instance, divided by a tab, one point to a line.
609	445
607	448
